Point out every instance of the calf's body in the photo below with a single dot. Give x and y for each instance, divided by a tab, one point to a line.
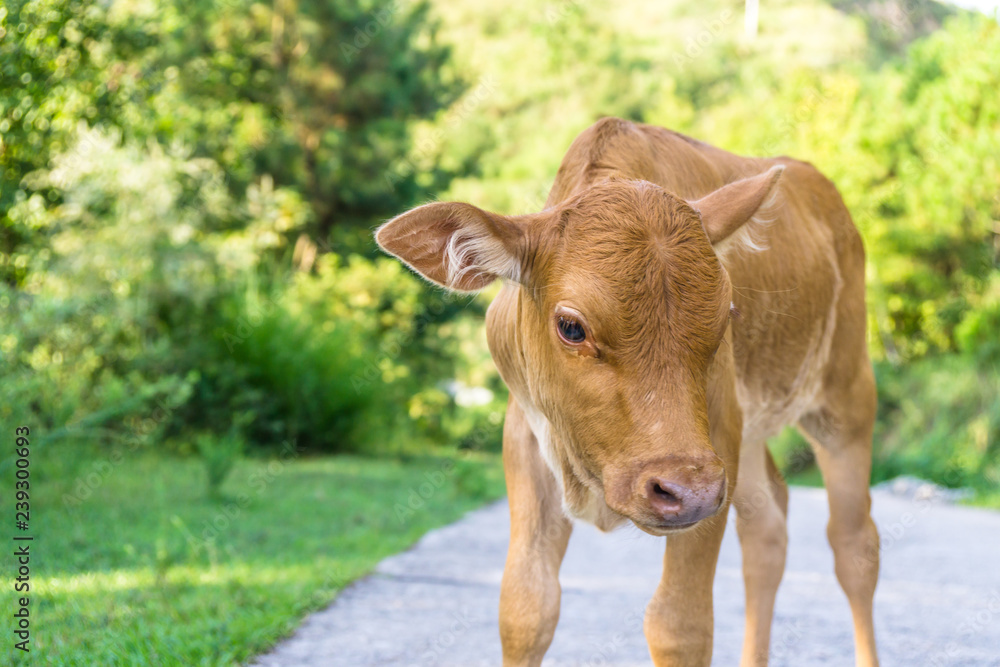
672	307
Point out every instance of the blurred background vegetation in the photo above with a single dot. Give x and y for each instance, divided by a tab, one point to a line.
189	187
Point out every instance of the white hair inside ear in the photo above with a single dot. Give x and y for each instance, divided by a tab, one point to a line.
737	214
457	246
752	236
473	254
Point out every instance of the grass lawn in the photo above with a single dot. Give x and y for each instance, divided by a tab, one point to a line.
148	569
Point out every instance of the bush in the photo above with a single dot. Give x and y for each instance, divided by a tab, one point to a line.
146	245
316	362
940	419
220	455
175	284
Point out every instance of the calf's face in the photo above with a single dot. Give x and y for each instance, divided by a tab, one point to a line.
615	306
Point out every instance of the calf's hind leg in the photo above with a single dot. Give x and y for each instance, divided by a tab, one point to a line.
841	435
761	503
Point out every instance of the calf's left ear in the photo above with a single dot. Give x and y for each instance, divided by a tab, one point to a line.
731	206
457	246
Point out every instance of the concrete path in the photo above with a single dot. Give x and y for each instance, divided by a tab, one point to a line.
938	601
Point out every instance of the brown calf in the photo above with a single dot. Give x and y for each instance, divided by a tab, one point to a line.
672	307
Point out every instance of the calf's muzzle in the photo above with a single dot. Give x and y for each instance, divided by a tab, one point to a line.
678	506
677	496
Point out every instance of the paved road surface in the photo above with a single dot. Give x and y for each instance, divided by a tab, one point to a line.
938	601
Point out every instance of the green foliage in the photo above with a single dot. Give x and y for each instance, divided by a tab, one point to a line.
941	163
667	63
321	93
320	97
158	161
792	453
62	63
911	143
892	24
940	419
329	359
976	334
220	455
152	273
144	246
171	171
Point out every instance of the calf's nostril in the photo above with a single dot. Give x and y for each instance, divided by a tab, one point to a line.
664	496
663	493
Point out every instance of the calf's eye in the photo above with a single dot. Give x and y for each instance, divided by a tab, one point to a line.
571	330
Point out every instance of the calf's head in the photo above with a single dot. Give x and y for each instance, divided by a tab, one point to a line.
615	306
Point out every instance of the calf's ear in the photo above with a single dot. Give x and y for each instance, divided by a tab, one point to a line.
731	206
457	246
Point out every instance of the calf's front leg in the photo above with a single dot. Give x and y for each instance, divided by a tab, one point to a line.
539	533
678	623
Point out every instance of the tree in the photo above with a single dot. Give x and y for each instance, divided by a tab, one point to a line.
319	95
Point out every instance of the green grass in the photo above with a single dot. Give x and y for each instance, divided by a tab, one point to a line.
986	499
125	576
808	477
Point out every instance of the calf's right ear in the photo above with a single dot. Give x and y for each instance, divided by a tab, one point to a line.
727	209
457	246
